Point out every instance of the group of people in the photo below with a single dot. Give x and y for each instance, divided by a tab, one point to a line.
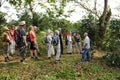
71	40
17	37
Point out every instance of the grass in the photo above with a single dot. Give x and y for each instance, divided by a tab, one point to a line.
69	68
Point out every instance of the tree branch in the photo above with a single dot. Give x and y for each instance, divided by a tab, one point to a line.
1	3
86	8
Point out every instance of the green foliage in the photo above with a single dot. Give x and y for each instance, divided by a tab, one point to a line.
112	43
15	2
2	18
88	24
11	76
68	74
112	60
26	17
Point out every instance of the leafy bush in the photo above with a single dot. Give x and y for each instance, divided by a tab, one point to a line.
112	43
112	60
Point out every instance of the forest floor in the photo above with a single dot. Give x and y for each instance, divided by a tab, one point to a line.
69	68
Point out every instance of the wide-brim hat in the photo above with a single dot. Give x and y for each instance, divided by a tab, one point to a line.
5	28
22	23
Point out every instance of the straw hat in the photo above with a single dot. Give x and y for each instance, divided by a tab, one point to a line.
5	28
22	23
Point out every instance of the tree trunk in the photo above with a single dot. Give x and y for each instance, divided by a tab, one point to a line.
104	19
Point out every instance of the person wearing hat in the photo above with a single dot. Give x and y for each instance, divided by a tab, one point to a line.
50	46
22	42
6	43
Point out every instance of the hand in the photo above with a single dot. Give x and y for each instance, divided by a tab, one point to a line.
26	44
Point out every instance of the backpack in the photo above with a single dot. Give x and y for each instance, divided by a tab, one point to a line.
55	40
19	39
46	39
28	38
77	38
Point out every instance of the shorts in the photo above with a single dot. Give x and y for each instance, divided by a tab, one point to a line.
6	49
32	45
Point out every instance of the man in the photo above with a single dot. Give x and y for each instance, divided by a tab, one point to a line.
61	42
86	47
22	43
6	43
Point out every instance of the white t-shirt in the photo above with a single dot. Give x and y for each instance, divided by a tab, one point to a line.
87	41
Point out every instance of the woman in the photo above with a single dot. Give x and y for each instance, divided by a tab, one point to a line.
69	46
49	36
12	46
33	48
77	38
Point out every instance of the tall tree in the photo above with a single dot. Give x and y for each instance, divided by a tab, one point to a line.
104	19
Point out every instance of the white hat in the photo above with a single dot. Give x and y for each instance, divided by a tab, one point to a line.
22	23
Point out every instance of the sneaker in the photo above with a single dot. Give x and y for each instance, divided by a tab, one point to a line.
8	58
36	58
56	62
32	57
21	60
49	57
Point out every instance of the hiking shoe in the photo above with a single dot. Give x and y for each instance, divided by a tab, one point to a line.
56	62
49	57
21	60
36	58
6	60
32	57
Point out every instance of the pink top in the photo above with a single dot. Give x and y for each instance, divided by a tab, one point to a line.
12	32
32	36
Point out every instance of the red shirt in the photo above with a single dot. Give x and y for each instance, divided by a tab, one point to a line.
66	34
32	36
